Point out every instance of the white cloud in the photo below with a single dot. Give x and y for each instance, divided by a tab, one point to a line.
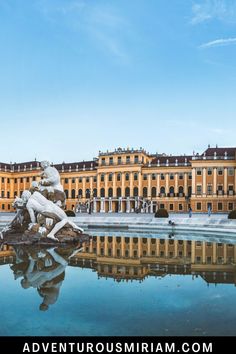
102	25
207	10
219	42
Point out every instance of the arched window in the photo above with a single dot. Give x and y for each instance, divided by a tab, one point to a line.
73	194
127	176
66	193
95	192
80	193
127	192
110	192
189	191
118	192
172	190
181	190
135	177
102	192
162	190
154	192
110	177
145	192
102	177
87	193
118	177
135	191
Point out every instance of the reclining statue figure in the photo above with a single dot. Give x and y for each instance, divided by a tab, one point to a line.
36	203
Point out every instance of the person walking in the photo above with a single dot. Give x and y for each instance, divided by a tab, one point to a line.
190	212
209	211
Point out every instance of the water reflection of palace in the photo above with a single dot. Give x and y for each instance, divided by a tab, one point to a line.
135	258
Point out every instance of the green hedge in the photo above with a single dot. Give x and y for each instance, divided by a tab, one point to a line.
161	213
70	213
232	214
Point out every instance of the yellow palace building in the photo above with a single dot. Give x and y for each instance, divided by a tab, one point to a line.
129	180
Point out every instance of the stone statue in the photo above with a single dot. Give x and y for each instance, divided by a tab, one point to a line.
50	177
36	203
50	185
40	212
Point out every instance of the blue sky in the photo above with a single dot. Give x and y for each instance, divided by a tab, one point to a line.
79	76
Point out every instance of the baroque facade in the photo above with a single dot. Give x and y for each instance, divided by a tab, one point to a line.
128	180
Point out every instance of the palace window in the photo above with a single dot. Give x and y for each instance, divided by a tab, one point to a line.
231	171
80	193
135	191
87	179
181	176
118	177
3	206
162	191
95	193
209	189
199	206
110	192
220	171
172	191
103	161
127	176
153	176
162	176
190	175
102	192
181	191
21	180
3	179
145	177
2	194
171	207
136	159
127	159
189	191
209	171
172	176
199	171
230	206
73	194
220	206
135	177
66	193
73	180
9	206
80	180
162	206
95	179
119	160
180	207
15	180
87	193
66	180
118	192
154	191
208	260
199	189
145	192
111	161
102	177
110	177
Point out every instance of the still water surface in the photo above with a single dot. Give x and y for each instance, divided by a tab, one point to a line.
120	284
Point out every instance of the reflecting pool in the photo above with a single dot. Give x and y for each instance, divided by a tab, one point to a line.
120	284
